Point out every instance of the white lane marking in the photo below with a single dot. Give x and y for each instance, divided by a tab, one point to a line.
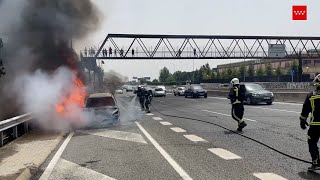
194	138
276	110
149	114
46	174
218	98
268	176
159	101
121	135
157	118
296	104
178	130
229	115
70	170
183	174
165	123
227	155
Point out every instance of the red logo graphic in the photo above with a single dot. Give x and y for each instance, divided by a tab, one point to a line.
299	12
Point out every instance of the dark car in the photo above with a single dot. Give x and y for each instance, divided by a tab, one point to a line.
194	91
102	107
255	94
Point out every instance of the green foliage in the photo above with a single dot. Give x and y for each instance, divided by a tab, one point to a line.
235	73
251	71
164	74
242	71
268	70
260	72
171	79
278	71
295	67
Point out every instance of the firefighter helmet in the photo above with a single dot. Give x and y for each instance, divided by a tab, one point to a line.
235	81
316	81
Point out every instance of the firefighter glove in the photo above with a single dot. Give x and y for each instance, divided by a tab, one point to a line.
303	124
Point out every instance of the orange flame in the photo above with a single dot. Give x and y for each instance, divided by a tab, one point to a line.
75	98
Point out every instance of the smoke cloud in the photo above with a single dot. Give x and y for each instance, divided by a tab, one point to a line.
38	54
112	81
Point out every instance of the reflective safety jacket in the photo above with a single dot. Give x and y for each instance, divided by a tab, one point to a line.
237	95
312	105
140	93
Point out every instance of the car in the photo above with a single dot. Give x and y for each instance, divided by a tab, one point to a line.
162	87
179	91
129	89
102	107
255	94
195	90
119	91
159	92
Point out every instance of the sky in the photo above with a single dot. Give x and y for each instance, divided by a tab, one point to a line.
201	17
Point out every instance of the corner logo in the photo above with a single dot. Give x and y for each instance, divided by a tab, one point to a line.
299	12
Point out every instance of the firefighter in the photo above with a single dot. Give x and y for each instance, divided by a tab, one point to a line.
147	101
140	94
237	96
312	105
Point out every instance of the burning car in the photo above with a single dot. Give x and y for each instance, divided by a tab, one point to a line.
102	108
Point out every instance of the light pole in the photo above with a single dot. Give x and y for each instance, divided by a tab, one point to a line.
245	69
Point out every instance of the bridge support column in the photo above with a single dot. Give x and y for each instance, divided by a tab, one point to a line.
15	132
26	127
1	138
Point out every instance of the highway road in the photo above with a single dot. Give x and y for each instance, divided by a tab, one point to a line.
156	146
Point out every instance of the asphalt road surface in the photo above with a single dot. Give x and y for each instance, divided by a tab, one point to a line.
155	146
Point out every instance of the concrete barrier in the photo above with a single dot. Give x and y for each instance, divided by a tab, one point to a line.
297	97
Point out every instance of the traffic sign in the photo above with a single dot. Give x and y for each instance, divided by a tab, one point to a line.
292	72
277	50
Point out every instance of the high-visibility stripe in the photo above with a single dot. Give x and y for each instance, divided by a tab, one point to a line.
304	118
236	102
312	98
237	91
234	115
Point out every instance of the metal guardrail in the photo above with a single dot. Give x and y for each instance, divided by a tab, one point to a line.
13	123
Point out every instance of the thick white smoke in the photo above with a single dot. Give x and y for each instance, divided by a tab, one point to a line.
40	92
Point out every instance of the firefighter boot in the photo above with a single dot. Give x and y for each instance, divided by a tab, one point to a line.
315	165
241	126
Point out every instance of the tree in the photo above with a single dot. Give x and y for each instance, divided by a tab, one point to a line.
251	71
235	73
213	74
295	67
196	76
223	74
229	73
260	72
219	75
242	71
268	70
155	81
171	79
278	71
164	74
